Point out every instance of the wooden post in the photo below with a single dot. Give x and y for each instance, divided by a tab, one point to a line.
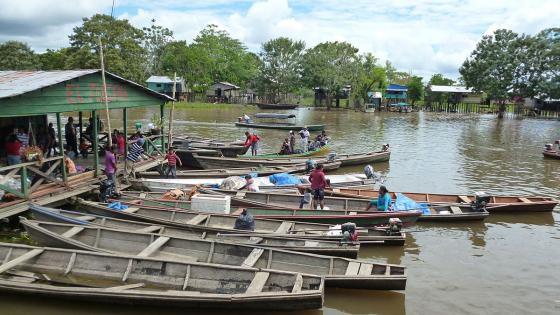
95	144
161	112
125	120
170	139
61	148
105	99
81	123
24	186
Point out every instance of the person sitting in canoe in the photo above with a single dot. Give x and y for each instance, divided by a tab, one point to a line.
252	141
285	150
383	201
244	118
250	184
245	221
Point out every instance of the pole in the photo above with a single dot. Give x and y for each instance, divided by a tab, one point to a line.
109	138
170	141
61	147
125	119
95	144
162	112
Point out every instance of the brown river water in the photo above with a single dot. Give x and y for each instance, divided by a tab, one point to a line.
509	264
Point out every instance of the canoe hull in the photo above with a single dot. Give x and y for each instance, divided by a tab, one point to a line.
277	106
279	126
551	154
475	216
322	151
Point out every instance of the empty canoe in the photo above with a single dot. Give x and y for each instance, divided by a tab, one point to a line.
223	173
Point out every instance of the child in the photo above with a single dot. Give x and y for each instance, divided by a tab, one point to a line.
84	147
172	160
306	199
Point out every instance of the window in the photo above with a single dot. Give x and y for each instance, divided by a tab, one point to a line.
158	84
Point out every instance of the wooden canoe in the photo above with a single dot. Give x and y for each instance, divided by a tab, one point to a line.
187	157
277	106
169	244
497	203
125	279
551	154
320	152
278	201
165	215
224	173
281	126
209	162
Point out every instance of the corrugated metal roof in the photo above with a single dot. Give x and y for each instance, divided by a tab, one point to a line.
13	83
229	84
397	87
450	89
163	79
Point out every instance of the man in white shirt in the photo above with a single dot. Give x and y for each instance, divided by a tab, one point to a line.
304	134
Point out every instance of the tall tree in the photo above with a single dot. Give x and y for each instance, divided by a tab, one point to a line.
415	89
549	79
155	39
16	55
331	66
372	78
493	65
122	46
54	59
438	79
281	66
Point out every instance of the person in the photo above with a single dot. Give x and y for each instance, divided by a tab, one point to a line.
244	222
43	139
246	118
306	198
252	141
172	160
318	184
84	148
322	138
250	184
383	201
120	142
110	163
23	137
292	142
134	153
70	166
304	134
13	147
285	150
52	140
70	135
70	153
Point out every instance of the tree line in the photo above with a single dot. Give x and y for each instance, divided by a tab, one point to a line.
503	65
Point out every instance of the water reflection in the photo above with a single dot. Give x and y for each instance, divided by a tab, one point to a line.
364	302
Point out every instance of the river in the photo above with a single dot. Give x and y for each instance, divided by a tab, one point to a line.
510	264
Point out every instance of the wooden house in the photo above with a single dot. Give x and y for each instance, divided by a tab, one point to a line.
395	93
164	85
457	94
223	92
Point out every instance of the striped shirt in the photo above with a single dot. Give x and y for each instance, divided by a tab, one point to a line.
134	152
171	159
23	138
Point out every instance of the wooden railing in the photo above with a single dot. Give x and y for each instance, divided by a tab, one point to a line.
22	171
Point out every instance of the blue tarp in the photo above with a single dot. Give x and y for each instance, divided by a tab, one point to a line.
403	203
117	206
282	179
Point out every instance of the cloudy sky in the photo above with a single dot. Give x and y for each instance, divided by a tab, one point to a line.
420	36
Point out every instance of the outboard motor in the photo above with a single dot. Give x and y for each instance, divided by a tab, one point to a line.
368	171
548	147
349	234
107	190
480	202
330	157
395	226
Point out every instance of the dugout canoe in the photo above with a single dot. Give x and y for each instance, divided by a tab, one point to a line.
277	106
281	126
320	152
187	156
496	204
338	272
159	214
258	202
224	173
124	279
332	248
551	154
364	158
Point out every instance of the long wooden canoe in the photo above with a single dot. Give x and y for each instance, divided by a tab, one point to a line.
277	106
320	152
497	203
334	248
170	245
209	162
281	126
551	154
125	279
224	173
217	223
279	201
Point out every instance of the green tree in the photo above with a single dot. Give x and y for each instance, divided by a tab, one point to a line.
548	80
156	38
122	47
331	66
54	59
281	66
493	65
415	89
372	78
16	55
438	79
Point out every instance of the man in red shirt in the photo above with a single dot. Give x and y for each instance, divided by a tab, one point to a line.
252	141
13	147
318	183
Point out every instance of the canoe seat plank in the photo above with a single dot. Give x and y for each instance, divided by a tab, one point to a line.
199	218
465	199
125	287
21	259
73	231
353	268
522	199
254	240
85	218
456	210
284	228
240	194
149	229
143	195
365	269
154	246
309	243
130	210
298	284
258	282
253	257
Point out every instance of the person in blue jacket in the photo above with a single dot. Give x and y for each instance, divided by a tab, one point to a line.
383	201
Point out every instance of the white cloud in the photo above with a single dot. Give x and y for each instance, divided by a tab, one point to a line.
422	36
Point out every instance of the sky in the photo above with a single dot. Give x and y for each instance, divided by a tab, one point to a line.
422	37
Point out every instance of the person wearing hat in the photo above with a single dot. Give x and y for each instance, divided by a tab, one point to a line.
383	201
304	134
134	153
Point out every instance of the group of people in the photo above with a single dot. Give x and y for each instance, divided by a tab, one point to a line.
19	140
289	144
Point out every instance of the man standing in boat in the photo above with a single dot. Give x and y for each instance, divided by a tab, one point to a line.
318	184
292	142
252	141
304	134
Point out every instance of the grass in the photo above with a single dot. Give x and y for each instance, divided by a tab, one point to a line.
200	105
